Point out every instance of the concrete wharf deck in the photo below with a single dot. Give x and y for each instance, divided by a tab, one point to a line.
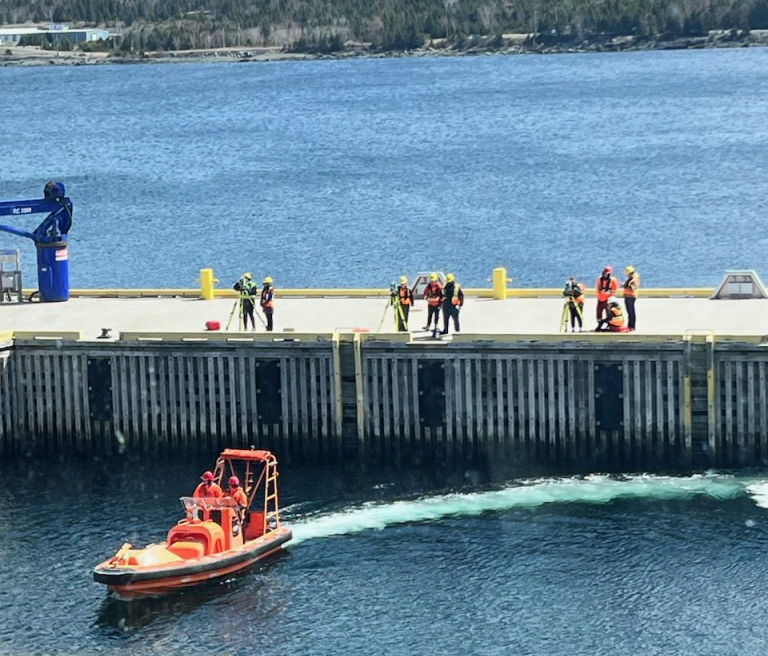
688	389
526	316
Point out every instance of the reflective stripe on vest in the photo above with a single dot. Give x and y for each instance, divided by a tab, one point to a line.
618	316
628	291
455	299
604	287
432	293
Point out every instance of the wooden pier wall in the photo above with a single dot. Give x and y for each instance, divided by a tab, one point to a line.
576	400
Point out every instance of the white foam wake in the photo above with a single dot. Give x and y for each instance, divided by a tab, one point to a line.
759	493
530	494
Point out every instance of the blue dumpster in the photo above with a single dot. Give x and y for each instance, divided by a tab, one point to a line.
53	269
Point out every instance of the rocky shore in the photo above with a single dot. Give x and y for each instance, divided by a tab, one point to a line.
513	44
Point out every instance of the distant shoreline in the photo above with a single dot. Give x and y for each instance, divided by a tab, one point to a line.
542	45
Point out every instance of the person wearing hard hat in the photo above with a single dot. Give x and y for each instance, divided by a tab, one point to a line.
614	321
238	496
453	301
631	285
574	295
432	293
208	488
267	301
247	291
605	287
403	305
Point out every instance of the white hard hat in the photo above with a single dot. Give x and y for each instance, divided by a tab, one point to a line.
612	301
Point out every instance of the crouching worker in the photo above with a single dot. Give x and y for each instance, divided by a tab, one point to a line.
614	321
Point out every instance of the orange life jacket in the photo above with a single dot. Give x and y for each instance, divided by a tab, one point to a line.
238	497
205	490
606	287
267	294
432	293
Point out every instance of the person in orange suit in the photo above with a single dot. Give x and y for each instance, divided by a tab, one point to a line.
605	288
208	488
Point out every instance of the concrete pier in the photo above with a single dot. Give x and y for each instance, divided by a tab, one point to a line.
656	316
688	389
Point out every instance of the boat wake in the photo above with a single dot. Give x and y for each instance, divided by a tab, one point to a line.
594	489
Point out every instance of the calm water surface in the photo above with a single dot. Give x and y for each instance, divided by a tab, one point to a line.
385	564
351	172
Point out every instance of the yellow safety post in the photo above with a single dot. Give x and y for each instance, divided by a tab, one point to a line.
500	284
207	282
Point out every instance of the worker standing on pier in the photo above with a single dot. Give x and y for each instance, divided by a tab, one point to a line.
247	292
267	301
403	305
631	285
432	293
574	295
453	301
605	288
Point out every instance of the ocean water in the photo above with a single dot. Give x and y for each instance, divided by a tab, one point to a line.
460	562
348	173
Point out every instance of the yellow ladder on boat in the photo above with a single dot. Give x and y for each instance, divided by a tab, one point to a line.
271	517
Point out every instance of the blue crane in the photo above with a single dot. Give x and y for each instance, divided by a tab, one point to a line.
50	238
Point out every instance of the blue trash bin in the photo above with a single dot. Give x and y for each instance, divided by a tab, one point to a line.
53	268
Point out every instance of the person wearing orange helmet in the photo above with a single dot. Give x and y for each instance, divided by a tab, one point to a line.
236	492
605	288
208	487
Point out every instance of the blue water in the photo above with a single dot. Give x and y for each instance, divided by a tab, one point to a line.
399	564
348	173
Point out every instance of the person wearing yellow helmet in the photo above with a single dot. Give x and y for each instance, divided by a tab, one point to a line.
247	291
453	301
267	301
432	294
631	285
403	305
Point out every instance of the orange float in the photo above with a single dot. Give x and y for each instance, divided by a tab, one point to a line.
216	537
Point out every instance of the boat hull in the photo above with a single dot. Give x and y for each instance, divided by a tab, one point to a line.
133	581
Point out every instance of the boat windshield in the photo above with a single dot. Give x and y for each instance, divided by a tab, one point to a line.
209	503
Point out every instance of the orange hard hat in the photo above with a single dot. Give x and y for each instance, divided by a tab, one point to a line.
234	481
207	476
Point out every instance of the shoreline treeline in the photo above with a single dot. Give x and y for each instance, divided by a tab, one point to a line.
333	25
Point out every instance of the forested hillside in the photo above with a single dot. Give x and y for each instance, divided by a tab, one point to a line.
386	24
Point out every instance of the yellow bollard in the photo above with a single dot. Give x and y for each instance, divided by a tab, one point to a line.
206	284
500	284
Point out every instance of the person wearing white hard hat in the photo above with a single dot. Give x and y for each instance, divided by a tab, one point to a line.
247	291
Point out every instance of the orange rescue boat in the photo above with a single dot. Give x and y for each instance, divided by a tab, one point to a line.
215	539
